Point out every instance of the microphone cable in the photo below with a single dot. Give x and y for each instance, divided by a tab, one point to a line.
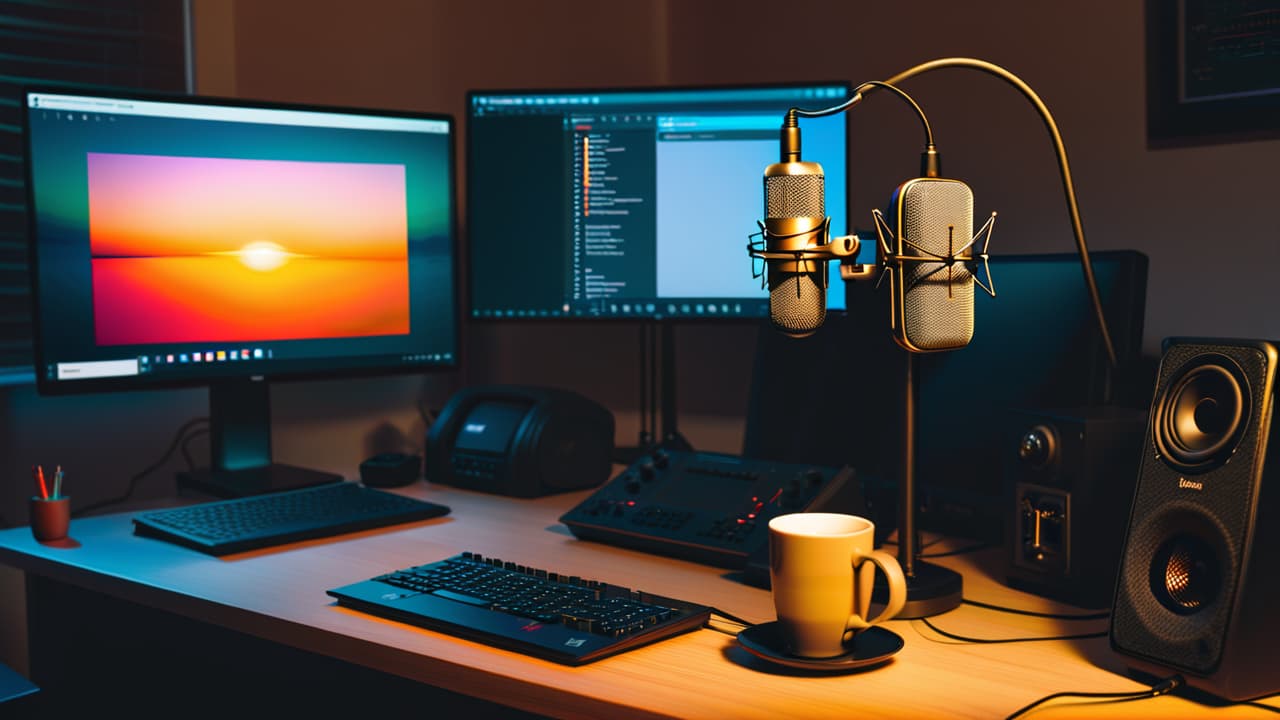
999	641
930	160
1017	611
1032	613
1068	186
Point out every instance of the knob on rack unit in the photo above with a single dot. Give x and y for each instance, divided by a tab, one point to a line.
708	507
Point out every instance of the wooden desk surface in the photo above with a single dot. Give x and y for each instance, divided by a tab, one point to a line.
279	594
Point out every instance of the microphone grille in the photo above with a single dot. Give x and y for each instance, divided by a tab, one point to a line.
797	300
798	304
794	196
937	217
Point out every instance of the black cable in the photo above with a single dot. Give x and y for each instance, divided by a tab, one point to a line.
1163	687
133	481
713	628
1032	613
1260	706
726	617
186	451
857	96
731	617
995	641
1068	186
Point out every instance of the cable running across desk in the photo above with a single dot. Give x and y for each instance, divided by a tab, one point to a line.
1161	688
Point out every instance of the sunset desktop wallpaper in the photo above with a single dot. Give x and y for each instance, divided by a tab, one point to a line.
192	249
200	232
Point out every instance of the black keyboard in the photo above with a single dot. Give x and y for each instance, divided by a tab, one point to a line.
562	618
258	521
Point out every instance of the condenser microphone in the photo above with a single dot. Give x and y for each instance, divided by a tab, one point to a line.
795	218
932	293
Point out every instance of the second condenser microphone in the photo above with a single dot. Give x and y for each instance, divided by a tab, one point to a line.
932	301
795	217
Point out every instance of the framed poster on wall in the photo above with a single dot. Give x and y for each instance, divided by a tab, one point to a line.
1213	71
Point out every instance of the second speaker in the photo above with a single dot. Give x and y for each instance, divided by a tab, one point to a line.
1201	559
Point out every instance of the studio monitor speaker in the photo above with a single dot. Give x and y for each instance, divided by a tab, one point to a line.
1201	558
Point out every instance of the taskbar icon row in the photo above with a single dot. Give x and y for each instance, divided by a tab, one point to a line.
148	362
624	310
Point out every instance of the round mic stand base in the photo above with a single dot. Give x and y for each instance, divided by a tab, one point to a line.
931	590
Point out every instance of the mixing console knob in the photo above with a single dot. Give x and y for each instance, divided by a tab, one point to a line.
647	471
661	458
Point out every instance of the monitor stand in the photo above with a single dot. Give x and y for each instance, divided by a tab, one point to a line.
657	394
240	447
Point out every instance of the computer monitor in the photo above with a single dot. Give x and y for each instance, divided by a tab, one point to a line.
179	241
1036	346
633	203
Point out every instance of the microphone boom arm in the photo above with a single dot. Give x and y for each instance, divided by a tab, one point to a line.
1060	151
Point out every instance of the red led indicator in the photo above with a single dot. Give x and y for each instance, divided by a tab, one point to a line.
741	521
630	503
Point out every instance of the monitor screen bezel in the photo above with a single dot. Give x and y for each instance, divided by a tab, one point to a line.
746	319
46	386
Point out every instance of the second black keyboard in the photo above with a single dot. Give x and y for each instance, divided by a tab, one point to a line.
257	521
557	617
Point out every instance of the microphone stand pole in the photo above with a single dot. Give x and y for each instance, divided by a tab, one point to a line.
931	589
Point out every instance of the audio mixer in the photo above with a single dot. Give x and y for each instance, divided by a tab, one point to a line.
707	507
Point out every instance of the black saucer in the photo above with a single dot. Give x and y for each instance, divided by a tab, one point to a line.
870	647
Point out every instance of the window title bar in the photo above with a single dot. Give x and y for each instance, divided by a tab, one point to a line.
227	113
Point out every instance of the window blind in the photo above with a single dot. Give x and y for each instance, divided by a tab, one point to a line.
100	44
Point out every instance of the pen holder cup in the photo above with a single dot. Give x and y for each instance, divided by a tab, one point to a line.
50	519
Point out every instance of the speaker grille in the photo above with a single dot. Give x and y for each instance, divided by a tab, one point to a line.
1193	524
793	196
937	219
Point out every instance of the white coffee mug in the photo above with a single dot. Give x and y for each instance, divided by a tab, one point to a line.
822	569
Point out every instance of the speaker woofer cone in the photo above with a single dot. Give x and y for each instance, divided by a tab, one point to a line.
1201	414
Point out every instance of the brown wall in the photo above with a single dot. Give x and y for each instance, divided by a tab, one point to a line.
1193	211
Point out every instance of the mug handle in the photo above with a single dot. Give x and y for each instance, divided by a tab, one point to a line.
888	565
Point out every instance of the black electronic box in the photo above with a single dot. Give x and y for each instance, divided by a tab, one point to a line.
521	441
708	507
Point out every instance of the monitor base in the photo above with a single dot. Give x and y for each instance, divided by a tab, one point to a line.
253	481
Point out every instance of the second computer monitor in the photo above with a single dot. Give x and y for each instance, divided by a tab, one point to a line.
633	203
